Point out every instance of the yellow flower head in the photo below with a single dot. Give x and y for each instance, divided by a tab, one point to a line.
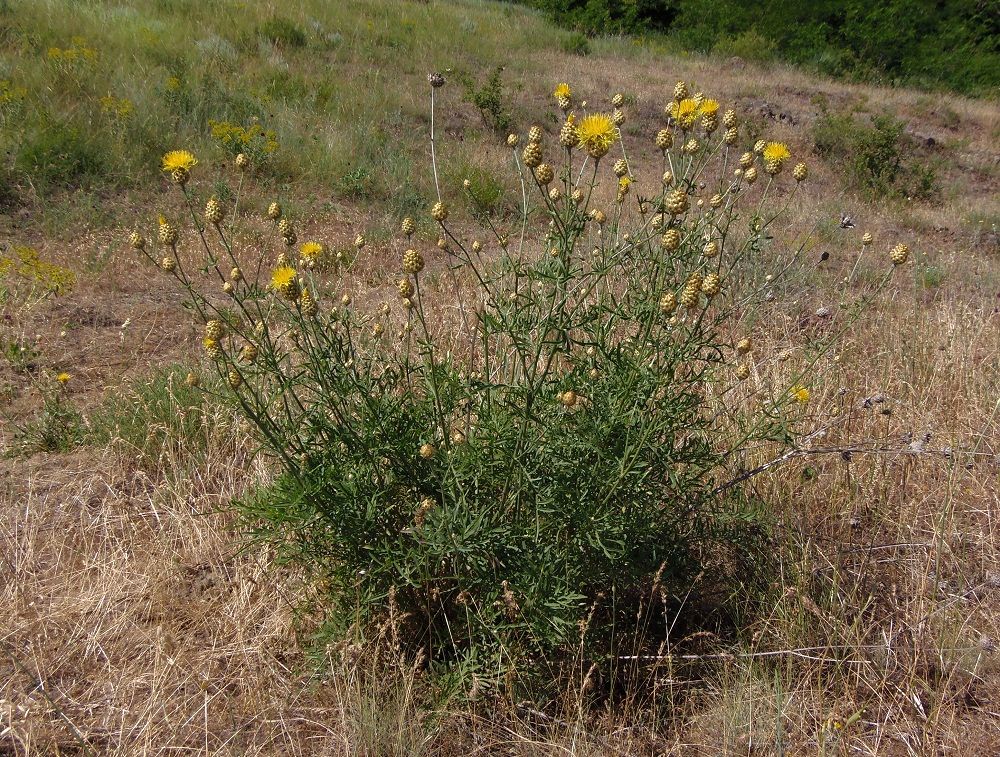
800	393
685	112
597	133
624	183
282	278
709	106
63	377
562	91
776	151
311	251
179	159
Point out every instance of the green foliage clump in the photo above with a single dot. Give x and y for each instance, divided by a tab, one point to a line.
282	31
537	450
877	158
58	427
490	100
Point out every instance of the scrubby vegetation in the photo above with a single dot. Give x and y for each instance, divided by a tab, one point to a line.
950	45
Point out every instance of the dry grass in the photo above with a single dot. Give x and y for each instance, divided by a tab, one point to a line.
132	623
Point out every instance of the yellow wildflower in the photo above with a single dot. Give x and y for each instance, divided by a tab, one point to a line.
597	133
800	393
311	251
63	377
562	90
179	159
709	106
776	151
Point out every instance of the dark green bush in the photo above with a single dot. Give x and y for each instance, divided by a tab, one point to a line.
282	31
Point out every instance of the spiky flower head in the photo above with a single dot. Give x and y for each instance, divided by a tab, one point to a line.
731	135
213	329
167	232
744	346
435	80
512	140
620	167
212	348
750	175
746	160
671	240
413	261
691	146
535	134
285	228
711	285
716	201
867	239
308	305
598	216
597	134
710	122
544	174
569	398
360	241
664	139
711	249
618	116
742	372
668	303
759	145
677	202
800	393
214	212
282	260
899	254
477	245
729	119
248	354
618	100
311	252
680	91
800	172
532	155
439	212
178	163
775	154
408	226
192	380
235	379
405	288
568	136
63	378
427	451
136	241
274	211
284	281
691	294
564	96
685	113
242	161
168	264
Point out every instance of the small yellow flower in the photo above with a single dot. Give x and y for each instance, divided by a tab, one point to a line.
562	90
800	393
179	159
709	106
776	151
597	134
63	378
284	281
685	112
311	251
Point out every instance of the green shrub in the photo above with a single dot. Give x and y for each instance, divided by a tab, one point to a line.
550	475
575	43
490	100
58	427
283	32
60	155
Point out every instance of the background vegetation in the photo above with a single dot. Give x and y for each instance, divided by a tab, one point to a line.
941	45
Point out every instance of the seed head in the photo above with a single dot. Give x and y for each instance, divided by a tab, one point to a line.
137	241
405	288
577	197
427	451
168	264
167	232
242	161
800	172
360	241
746	160
248	354
618	100
436	80
711	249
544	174
192	380
235	379
677	202
618	116
668	303
568	398
711	285
227	287
710	122
408	226
308	305
867	239
274	211
743	346
555	194
742	372
512	140
759	146
285	228
236	274
568	136
750	174
671	240
413	261
730	136
729	119
532	155
214	212
620	167
680	91
535	134
899	254
664	139
716	201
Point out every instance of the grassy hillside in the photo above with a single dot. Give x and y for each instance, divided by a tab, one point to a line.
135	622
